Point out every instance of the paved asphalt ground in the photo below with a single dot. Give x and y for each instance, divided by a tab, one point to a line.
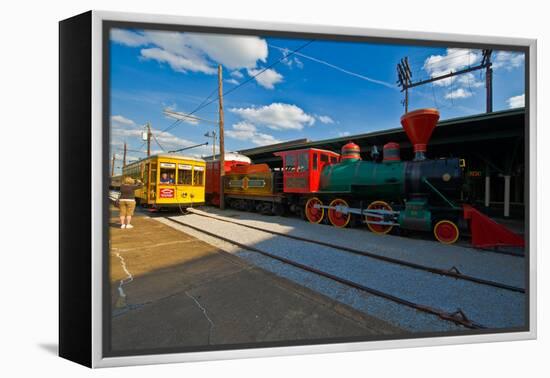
172	290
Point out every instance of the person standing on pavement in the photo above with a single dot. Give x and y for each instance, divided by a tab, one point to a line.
127	201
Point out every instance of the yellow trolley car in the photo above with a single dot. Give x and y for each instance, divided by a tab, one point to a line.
169	180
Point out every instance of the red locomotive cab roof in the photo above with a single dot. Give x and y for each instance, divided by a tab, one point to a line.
284	153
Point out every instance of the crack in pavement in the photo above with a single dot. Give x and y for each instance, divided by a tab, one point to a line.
121	302
205	315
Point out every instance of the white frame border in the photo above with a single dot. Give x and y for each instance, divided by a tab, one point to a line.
97	193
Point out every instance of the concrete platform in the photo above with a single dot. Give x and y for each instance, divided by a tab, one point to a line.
172	290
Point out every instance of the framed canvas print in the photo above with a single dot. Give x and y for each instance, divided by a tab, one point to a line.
233	189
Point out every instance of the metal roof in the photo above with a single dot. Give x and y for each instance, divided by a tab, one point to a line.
168	155
495	125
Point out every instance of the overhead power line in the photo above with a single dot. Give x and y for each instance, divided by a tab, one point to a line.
185	116
344	70
156	140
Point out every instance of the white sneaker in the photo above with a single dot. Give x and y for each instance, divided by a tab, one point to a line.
122	226
129	226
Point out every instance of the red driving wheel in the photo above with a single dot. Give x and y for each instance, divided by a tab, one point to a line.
378	228
314	214
337	218
446	232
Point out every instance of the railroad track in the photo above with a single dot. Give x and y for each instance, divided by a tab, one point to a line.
452	272
457	317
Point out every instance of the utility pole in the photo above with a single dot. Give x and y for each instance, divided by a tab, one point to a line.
113	165
148	139
222	148
124	156
404	76
486	61
212	134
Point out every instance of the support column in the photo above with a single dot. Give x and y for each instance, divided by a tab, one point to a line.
506	196
487	190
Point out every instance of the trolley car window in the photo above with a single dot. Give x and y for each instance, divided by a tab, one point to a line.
333	160
185	174
315	157
198	176
324	158
303	162
290	163
167	173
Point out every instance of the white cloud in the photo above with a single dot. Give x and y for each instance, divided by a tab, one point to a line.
516	101
197	52
458	93
325	119
232	81
237	74
508	60
121	120
462	86
267	78
469	80
233	51
276	116
177	62
343	133
133	134
457	59
128	38
452	61
247	131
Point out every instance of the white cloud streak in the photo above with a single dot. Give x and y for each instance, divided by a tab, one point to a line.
346	71
325	119
121	120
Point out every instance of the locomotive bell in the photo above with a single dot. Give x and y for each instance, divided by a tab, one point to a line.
419	125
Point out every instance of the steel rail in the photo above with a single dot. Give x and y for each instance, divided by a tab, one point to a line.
457	317
452	272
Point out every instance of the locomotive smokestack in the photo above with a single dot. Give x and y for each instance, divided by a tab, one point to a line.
419	125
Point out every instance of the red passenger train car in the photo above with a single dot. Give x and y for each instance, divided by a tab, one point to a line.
212	185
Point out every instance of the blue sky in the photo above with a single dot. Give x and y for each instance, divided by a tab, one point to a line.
327	89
